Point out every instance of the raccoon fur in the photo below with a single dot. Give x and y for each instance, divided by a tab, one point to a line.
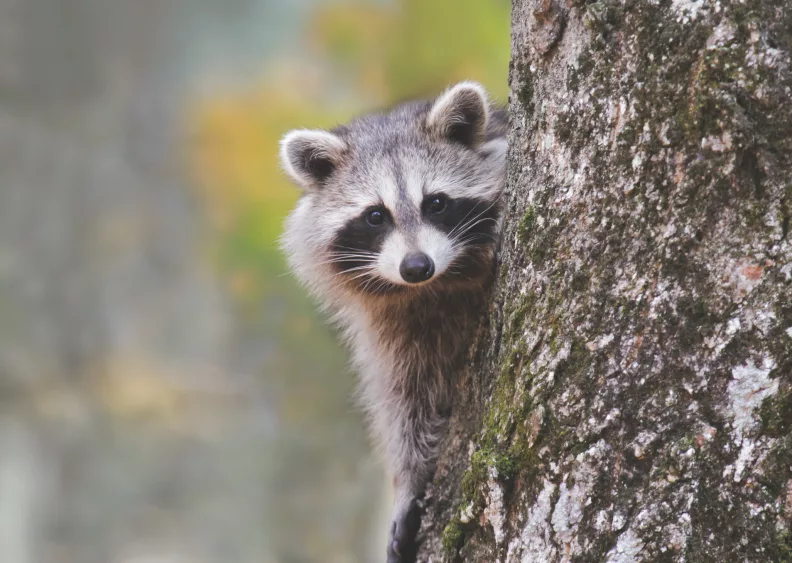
395	235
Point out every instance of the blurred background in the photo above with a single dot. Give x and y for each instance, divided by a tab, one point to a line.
167	393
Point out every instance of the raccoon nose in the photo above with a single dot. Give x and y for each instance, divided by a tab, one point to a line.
416	268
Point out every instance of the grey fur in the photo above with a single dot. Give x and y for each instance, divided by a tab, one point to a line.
408	342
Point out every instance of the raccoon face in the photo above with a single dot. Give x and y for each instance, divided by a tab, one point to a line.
398	202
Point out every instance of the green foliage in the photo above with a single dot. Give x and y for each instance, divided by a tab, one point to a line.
448	40
416	49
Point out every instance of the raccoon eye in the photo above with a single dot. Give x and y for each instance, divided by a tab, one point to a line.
437	204
375	217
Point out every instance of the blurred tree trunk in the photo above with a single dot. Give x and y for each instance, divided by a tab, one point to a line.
631	397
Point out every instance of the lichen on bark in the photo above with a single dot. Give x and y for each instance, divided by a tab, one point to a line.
629	397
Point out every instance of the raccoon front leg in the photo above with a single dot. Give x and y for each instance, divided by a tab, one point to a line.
413	443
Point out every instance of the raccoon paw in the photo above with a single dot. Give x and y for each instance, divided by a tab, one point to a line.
403	541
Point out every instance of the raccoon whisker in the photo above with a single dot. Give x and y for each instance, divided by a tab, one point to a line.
371	285
377	290
367	285
464	226
379	286
345	260
352	257
467	237
451	234
469	227
340	259
459	247
484	220
334	256
460	243
383	283
355	250
490	206
352	254
372	276
346	256
353	260
366	270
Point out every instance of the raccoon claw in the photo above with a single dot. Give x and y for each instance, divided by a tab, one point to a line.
403	544
394	553
401	552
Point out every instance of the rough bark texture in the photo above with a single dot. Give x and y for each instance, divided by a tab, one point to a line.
630	398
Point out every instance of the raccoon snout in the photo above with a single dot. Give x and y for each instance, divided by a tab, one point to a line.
416	268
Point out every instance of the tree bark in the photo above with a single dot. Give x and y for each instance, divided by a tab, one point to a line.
630	398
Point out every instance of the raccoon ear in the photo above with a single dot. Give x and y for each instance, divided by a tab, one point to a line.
310	156
460	114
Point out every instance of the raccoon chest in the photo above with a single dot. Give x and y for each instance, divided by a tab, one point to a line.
427	345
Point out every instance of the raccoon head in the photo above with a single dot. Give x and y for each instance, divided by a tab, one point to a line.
399	202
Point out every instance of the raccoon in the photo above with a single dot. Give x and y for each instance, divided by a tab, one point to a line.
395	235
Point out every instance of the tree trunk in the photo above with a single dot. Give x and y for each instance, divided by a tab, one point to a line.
630	398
